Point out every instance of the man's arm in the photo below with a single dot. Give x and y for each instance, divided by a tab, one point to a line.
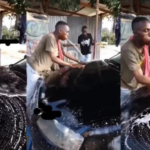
141	78
133	65
50	47
59	61
63	63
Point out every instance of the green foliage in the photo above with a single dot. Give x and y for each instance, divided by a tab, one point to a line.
113	5
72	5
108	37
9	33
19	5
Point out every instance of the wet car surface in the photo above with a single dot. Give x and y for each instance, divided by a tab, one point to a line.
12	109
88	107
135	119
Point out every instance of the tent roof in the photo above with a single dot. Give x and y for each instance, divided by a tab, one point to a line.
139	7
85	9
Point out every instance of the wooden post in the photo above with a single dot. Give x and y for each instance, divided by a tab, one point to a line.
1	23
131	6
1	20
41	7
100	31
96	28
46	6
138	7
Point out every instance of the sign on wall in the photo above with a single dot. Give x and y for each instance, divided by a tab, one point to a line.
37	27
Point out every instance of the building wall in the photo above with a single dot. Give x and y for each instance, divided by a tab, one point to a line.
54	19
37	27
126	30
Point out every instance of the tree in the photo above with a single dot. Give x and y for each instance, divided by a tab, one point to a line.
9	33
72	5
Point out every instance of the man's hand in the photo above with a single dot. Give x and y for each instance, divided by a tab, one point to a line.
63	63
77	66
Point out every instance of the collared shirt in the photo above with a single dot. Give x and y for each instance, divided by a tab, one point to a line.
40	60
132	59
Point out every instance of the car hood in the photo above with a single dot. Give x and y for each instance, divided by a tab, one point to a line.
85	106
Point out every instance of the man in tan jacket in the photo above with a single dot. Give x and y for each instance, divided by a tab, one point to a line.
132	58
46	58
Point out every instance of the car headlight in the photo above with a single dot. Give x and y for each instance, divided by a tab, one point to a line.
60	135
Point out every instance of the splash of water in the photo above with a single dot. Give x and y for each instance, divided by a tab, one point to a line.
144	120
137	128
126	144
82	56
12	111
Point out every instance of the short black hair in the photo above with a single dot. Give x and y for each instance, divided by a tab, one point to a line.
137	20
84	27
60	23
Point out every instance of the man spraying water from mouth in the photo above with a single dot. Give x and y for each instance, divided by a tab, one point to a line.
48	58
135	70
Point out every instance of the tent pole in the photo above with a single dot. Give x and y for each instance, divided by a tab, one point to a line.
1	24
138	8
96	28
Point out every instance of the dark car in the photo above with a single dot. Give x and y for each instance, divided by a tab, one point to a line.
99	120
104	131
12	107
71	119
90	107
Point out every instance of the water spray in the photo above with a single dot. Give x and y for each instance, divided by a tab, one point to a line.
77	49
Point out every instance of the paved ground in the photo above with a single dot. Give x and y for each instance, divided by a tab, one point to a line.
109	51
11	54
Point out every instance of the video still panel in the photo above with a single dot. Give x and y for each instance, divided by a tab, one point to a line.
135	79
83	119
13	97
12	79
78	87
12	22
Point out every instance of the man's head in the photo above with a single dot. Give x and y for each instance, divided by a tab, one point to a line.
62	28
84	30
141	29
